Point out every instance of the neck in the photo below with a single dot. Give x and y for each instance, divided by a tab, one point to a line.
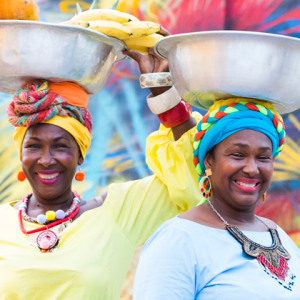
40	205
233	215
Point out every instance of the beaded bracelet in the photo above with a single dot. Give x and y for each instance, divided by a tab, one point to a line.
177	115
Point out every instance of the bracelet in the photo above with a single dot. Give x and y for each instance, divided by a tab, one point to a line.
177	115
151	80
163	102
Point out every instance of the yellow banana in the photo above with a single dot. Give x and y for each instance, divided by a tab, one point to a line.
143	28
110	28
105	15
144	41
140	49
76	23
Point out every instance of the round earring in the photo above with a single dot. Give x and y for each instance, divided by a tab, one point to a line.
205	184
79	175
21	176
264	196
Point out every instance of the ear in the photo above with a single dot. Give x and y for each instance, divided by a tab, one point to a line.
208	161
80	160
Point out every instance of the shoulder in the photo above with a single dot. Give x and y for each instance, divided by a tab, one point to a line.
174	232
270	223
91	204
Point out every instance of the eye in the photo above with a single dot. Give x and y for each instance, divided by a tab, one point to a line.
265	157
237	155
33	146
61	146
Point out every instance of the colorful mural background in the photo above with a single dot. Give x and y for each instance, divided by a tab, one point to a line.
122	119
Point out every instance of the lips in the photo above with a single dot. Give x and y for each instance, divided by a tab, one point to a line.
48	177
247	184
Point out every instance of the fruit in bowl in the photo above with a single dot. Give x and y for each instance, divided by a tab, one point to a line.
19	10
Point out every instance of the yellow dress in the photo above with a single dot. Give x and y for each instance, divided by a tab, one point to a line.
95	251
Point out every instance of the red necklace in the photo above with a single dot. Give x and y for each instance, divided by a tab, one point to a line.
47	240
70	217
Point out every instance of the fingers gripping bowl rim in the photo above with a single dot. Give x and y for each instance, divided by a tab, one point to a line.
215	65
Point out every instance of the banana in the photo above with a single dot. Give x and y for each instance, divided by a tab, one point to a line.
144	41
105	15
110	28
142	28
76	23
140	49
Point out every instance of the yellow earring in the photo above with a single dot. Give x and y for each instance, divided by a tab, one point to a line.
264	196
205	184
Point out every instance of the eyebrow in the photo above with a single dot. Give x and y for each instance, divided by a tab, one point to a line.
61	138
247	146
55	140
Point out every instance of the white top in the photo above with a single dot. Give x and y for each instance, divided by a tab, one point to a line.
190	261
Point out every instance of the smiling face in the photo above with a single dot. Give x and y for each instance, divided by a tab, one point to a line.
242	168
50	156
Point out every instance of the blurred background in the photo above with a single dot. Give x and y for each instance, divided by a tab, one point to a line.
122	119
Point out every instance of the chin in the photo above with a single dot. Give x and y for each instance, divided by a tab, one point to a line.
246	200
49	191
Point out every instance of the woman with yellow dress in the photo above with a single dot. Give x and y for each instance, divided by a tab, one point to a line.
53	244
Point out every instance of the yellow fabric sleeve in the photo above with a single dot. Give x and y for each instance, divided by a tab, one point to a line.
172	162
140	207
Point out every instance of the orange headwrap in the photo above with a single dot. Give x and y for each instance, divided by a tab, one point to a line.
71	92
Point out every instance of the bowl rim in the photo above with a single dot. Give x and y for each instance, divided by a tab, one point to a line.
118	45
163	46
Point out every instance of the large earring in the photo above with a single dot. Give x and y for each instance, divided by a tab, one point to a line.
264	196
205	184
21	176
79	175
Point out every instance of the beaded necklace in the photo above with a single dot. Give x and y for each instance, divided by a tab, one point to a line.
42	238
50	215
273	259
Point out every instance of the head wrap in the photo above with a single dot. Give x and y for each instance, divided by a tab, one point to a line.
51	103
226	117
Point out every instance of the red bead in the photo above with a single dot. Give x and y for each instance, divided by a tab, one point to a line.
21	176
177	115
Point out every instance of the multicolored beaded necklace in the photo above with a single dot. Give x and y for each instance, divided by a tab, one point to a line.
42	238
50	215
273	259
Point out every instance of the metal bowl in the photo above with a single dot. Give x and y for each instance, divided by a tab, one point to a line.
34	50
209	66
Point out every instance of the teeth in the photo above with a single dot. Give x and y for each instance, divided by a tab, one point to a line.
246	184
48	177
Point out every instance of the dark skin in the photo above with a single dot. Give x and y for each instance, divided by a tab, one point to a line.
48	147
233	160
152	63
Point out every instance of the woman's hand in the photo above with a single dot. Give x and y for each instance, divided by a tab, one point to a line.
151	63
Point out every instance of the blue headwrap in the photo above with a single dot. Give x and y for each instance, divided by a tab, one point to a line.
235	122
226	117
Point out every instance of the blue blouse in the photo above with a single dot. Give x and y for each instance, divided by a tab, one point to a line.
184	260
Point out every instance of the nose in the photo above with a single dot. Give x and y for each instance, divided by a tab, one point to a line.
46	158
251	167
